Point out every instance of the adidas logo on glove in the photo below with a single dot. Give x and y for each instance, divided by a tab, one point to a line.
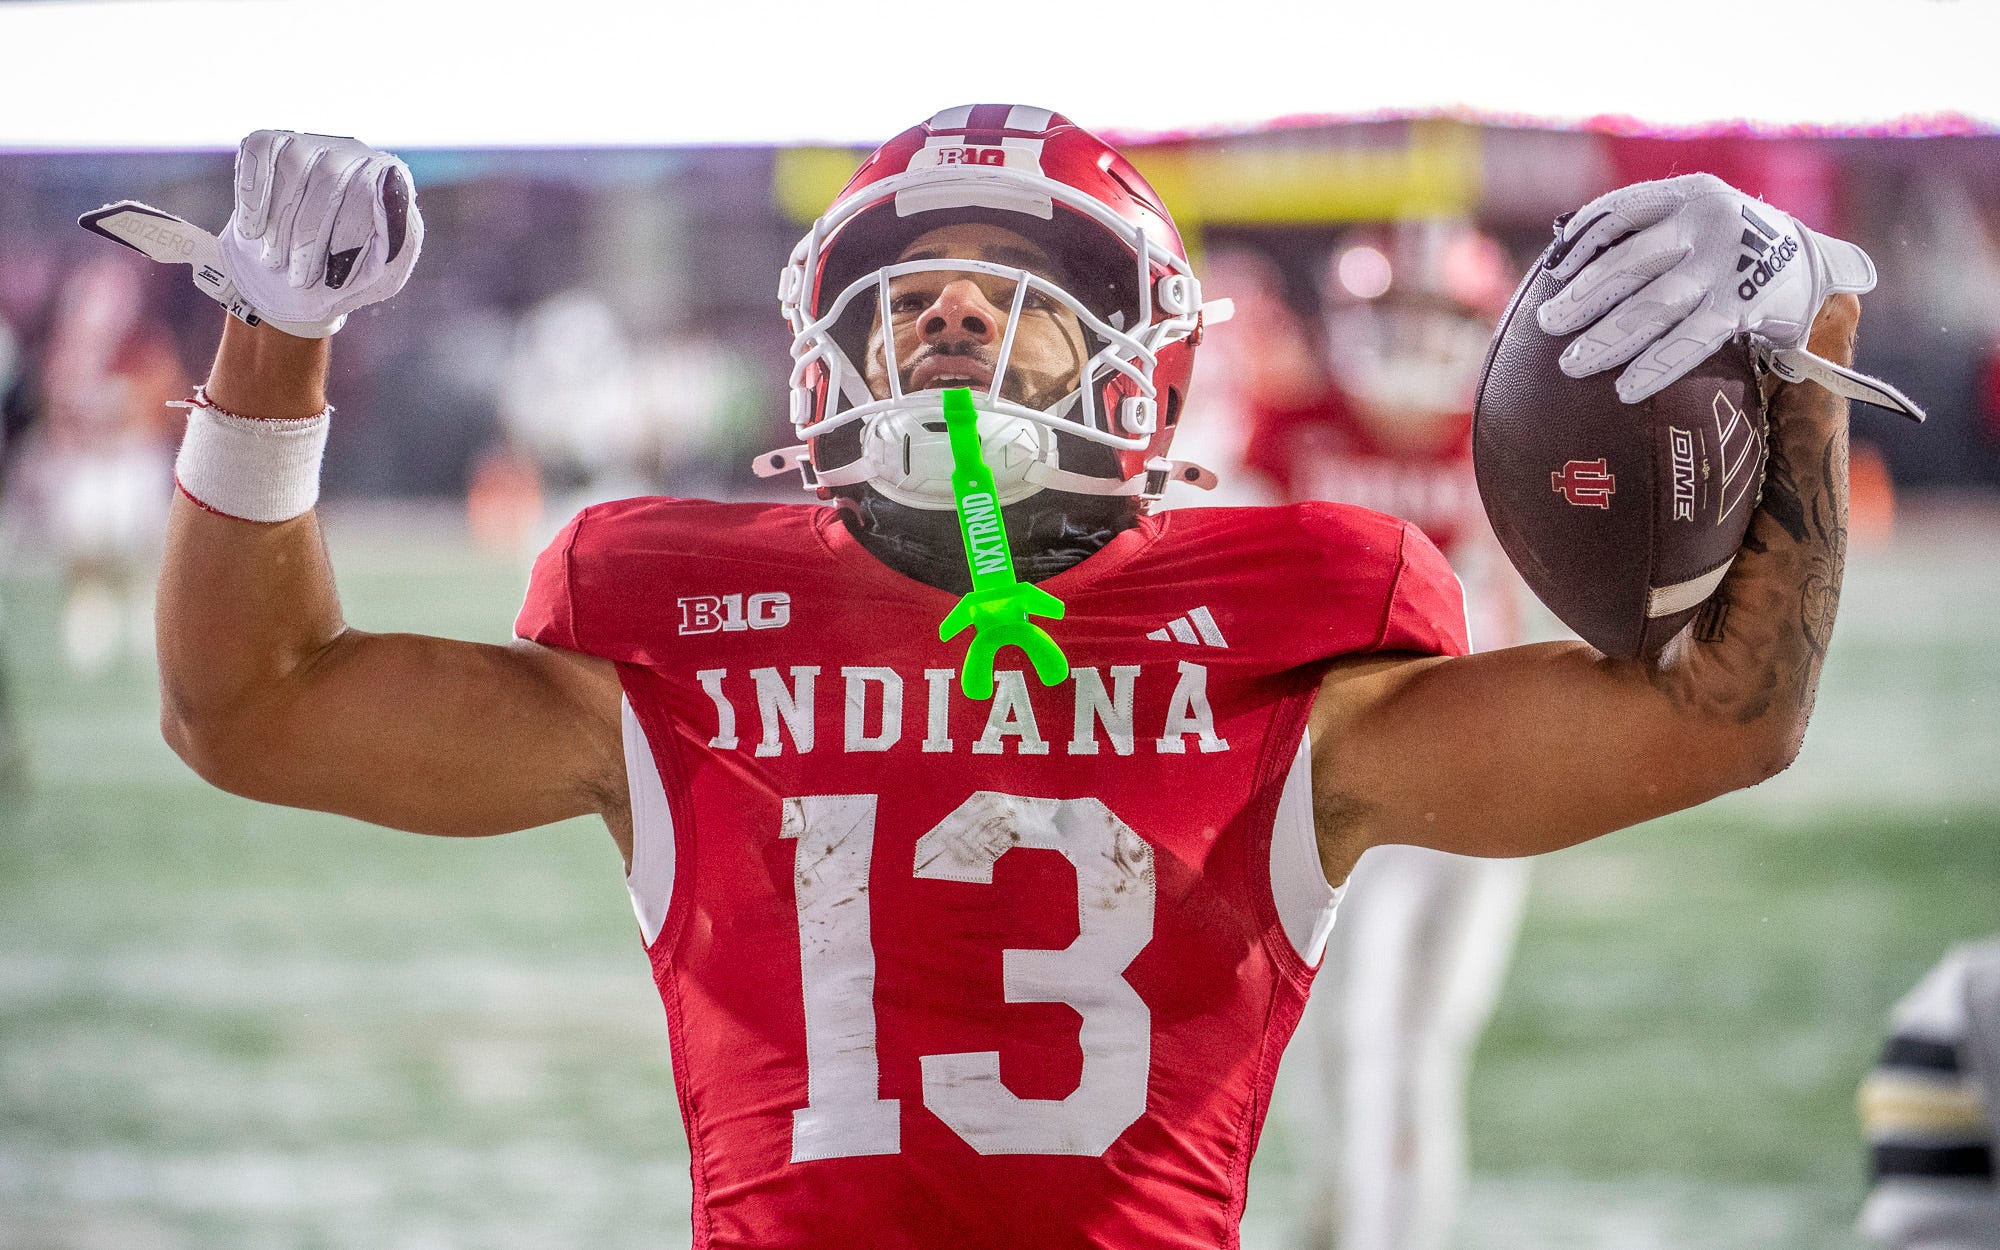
1764	258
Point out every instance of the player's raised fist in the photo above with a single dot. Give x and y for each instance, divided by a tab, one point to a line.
323	225
1661	274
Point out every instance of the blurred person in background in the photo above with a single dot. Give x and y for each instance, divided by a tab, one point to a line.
1266	347
571	401
1376	410
1930	1109
590	412
13	412
100	452
839	933
571	425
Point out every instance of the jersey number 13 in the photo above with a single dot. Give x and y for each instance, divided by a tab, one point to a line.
844	1114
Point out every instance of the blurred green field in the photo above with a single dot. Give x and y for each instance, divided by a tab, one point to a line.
223	1025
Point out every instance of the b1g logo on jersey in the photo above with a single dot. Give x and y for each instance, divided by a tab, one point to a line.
729	614
1585	483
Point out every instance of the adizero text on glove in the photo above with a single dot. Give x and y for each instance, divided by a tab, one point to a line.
322	226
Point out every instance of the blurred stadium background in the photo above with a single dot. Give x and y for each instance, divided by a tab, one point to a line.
224	1025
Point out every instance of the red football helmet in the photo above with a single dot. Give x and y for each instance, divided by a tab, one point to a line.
1124	275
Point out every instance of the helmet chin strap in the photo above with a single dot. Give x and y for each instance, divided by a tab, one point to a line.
1148	485
1048	535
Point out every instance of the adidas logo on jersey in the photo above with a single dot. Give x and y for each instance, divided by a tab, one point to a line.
1196	628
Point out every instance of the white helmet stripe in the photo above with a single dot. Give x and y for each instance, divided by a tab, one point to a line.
1021	117
954	118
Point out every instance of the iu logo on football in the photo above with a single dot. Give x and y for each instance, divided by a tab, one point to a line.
729	614
1585	483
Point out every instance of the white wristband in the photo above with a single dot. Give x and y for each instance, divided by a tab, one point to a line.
247	467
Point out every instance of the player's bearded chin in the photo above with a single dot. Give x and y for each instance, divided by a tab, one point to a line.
1049	531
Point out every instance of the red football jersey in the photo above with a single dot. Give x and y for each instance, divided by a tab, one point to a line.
1319	449
947	973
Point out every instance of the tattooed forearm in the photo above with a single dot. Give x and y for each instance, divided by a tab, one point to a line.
1827	551
1756	648
1810	513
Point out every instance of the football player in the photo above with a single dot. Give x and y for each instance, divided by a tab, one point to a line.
1930	1109
102	450
941	972
1412	970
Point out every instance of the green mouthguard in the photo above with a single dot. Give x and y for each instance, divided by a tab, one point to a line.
998	607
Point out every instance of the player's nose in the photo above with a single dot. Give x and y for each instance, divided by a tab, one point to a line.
961	310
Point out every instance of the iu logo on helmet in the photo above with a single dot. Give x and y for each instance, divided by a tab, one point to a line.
1585	483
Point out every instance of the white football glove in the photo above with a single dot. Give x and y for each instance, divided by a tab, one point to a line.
323	225
1703	263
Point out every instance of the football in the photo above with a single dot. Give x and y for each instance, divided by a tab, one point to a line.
1622	518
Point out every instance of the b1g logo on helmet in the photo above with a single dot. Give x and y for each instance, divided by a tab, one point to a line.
729	614
970	156
1585	483
945	151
